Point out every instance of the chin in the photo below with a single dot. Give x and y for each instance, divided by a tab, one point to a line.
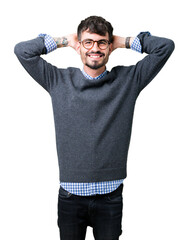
94	67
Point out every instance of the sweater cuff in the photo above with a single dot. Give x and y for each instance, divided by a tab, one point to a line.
50	44
141	37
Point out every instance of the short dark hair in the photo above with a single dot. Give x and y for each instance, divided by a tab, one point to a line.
95	24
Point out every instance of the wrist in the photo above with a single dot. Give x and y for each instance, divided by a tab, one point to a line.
131	41
128	42
61	41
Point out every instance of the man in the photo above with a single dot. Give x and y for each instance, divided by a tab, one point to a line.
93	112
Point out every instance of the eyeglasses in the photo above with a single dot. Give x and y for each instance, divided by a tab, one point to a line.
89	43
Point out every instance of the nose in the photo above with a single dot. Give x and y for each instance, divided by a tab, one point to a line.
95	46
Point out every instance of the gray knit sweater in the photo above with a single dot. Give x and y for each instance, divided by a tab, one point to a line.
93	119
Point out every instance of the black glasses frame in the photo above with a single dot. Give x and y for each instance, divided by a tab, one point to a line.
93	42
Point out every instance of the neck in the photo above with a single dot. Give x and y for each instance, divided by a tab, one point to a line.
94	72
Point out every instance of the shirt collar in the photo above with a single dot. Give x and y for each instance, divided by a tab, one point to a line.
96	78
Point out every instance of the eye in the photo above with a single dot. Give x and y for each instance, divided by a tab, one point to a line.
103	43
88	42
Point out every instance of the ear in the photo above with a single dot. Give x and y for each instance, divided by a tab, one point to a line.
78	47
110	48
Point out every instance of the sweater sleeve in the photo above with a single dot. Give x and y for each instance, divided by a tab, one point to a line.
28	53
158	50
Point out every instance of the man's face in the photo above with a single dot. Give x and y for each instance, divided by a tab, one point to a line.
94	57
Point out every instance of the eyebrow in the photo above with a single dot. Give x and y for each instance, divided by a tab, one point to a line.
103	39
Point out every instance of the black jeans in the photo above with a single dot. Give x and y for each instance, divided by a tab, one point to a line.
102	212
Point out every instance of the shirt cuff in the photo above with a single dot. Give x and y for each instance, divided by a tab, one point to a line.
49	42
136	45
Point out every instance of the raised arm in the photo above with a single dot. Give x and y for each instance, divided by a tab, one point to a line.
29	54
158	51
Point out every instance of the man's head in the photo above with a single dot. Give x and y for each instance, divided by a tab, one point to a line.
95	36
96	25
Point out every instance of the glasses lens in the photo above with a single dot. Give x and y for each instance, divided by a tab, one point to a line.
103	44
87	43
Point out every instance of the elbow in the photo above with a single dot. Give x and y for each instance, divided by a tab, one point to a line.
18	49
170	46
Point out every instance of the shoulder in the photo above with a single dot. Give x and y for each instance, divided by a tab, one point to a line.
122	70
66	71
69	70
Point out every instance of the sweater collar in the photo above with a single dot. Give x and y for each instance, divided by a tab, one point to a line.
96	78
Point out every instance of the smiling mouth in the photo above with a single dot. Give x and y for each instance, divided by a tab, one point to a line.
95	55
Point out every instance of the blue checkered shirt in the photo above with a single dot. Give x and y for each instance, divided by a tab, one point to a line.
92	188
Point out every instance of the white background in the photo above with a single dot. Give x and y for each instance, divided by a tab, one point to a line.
156	192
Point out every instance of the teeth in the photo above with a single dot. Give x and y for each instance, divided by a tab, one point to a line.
95	56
